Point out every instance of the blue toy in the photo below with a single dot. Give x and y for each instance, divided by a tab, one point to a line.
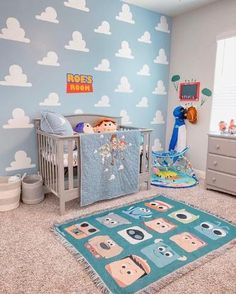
138	212
178	139
82	127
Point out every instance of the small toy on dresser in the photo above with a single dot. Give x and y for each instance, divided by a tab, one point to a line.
231	128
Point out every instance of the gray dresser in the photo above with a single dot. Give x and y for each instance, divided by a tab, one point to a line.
221	163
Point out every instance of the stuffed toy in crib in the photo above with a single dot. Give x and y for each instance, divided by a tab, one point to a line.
82	127
105	125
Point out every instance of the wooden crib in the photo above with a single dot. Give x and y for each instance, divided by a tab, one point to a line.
61	171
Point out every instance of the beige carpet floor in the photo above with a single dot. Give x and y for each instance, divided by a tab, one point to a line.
33	261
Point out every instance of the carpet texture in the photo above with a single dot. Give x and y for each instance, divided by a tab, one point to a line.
33	261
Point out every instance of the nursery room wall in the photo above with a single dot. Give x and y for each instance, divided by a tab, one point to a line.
193	53
125	48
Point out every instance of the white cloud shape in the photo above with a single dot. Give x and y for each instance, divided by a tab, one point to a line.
158	118
50	59
77	43
157	145
52	100
125	119
161	57
125	51
13	31
125	14
143	102
15	77
49	15
124	86
77	4
144	71
19	120
163	26
103	66
21	162
103	102
145	38
104	28
160	88
78	111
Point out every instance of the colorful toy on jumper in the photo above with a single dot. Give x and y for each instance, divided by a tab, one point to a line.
172	169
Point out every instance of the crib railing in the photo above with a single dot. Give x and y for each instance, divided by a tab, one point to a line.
63	179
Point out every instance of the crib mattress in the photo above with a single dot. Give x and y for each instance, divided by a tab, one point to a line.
52	158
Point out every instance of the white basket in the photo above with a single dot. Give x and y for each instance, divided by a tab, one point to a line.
10	189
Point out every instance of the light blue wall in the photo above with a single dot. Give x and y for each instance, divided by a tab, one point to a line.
44	36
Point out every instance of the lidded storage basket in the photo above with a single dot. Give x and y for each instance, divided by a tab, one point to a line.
10	189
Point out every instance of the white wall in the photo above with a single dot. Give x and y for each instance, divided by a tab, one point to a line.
193	56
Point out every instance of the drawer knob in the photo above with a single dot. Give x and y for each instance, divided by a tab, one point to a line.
215	163
217	146
213	180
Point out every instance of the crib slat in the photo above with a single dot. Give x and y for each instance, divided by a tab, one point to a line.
70	164
144	160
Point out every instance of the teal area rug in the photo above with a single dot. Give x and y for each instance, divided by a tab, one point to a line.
141	247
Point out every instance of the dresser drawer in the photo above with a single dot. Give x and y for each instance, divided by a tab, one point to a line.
222	163
221	146
222	181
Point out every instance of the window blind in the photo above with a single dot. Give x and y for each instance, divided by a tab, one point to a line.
224	98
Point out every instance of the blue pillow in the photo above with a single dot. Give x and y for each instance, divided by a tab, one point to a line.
55	123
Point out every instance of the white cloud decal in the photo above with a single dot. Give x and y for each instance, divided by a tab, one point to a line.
77	43
50	59
21	162
104	28
144	71
78	111
124	86
52	100
103	102
158	118
143	102
77	4
19	120
145	38
125	119
13	31
49	15
103	66
15	77
160	88
161	58
125	14
125	51
163	26
157	145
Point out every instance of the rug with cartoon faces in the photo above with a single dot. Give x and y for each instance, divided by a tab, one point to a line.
135	246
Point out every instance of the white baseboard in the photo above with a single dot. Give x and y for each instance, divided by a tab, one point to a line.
200	173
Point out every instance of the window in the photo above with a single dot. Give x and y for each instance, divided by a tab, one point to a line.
224	99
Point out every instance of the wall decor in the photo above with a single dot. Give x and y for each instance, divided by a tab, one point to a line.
77	83
206	94
123	48
175	80
189	91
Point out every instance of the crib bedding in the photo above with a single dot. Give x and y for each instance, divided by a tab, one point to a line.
109	165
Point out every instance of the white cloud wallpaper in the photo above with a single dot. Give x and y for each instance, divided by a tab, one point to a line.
125	48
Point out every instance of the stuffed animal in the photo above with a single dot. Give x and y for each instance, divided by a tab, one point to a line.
82	127
232	127
192	114
222	126
105	125
178	139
